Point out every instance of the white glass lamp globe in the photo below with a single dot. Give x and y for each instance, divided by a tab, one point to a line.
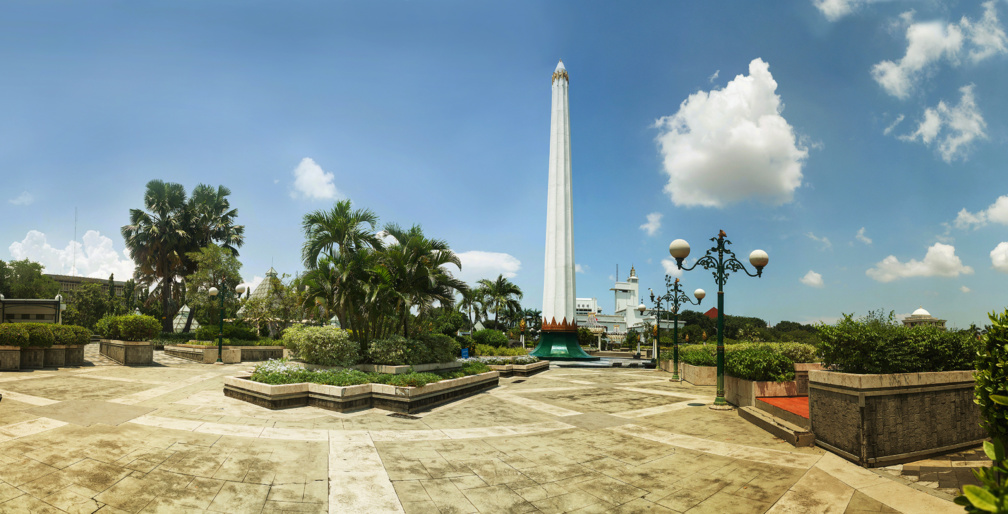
641	308
699	294
240	288
213	291
759	258
679	249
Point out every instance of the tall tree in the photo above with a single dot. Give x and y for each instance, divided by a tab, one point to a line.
503	296
86	306
215	267
157	241
25	280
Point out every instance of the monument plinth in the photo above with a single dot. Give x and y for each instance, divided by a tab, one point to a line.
559	329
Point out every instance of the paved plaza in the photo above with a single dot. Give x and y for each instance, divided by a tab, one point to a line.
108	438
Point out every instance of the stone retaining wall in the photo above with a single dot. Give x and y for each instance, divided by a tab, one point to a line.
248	353
204	354
364	396
128	353
521	370
698	375
54	357
877	420
32	358
10	358
75	355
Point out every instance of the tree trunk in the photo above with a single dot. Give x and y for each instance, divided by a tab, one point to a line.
188	323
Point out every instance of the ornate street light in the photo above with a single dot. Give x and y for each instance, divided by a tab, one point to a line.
640	308
675	296
716	259
239	289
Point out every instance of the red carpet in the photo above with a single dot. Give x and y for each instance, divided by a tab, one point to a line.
793	404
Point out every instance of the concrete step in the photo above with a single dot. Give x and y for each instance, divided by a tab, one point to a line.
789	432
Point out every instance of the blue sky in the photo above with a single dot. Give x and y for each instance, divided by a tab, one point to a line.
860	143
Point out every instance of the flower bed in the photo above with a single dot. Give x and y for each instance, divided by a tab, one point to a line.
279	384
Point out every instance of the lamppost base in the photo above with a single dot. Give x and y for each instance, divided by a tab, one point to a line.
675	378
726	406
220	363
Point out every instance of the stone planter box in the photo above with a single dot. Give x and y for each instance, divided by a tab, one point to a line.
248	353
54	356
32	358
878	420
698	375
10	358
743	393
801	371
521	370
399	370
341	399
128	353
75	355
204	354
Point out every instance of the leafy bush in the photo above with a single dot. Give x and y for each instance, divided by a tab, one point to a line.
992	396
483	350
876	344
440	347
137	327
71	334
108	327
490	337
696	354
328	346
231	331
398	351
466	342
503	361
13	334
759	362
277	372
40	335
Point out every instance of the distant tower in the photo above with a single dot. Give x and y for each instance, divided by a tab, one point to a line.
559	330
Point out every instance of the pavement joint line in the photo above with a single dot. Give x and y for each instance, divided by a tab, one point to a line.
148	394
27	428
651	411
537	405
27	398
352	461
724	449
130	380
680	394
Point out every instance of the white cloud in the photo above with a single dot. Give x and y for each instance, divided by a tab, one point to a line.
888	130
612	278
732	144
965	289
953	128
653	223
862	237
996	213
478	265
714	77
311	181
25	198
931	42
580	269
96	257
812	279
826	244
833	10
254	283
670	268
999	257
940	261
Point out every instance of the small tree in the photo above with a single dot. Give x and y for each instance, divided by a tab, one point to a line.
87	305
25	280
215	267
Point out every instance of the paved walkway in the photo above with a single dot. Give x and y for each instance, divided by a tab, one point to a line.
165	439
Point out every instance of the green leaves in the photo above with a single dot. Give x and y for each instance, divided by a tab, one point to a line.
995	450
980	498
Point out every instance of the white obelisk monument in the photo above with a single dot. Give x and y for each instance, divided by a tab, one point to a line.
559	329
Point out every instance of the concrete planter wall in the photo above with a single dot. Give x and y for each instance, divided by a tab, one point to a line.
801	371
128	353
54	357
698	375
877	420
364	396
32	358
248	353
520	370
75	355
10	358
743	393
204	354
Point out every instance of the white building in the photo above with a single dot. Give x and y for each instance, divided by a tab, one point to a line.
627	298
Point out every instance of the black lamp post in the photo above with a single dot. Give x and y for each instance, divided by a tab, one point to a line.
239	289
716	259
674	297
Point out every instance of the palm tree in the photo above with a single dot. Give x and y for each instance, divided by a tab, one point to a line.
340	230
157	241
502	295
471	305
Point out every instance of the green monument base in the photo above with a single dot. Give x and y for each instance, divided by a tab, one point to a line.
560	346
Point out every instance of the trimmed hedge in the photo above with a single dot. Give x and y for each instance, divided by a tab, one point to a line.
878	345
231	331
490	337
129	327
749	361
328	346
71	334
483	350
13	334
40	335
398	351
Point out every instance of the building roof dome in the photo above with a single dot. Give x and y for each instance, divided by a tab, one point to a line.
921	312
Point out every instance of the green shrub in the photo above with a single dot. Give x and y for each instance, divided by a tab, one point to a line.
328	346
108	327
875	344
466	342
71	334
483	350
13	334
490	337
696	354
238	331
440	347
760	363
40	335
398	351
992	396
137	327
